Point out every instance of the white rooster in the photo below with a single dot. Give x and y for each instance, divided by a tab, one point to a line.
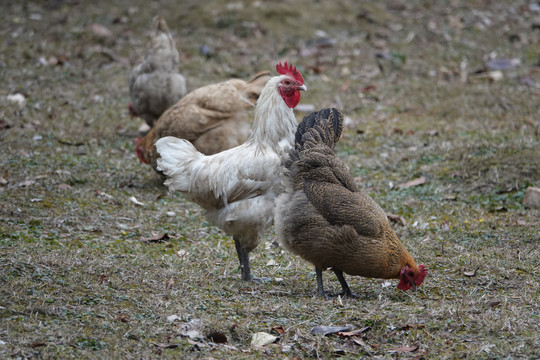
237	187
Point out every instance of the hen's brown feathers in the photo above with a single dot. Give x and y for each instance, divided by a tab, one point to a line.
213	118
324	217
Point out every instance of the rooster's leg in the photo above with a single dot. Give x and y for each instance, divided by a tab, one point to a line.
344	286
320	289
243	257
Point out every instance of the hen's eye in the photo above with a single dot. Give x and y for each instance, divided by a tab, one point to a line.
411	273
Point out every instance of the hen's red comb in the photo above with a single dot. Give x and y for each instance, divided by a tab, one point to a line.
290	71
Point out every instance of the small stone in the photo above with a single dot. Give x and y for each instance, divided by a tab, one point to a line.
532	198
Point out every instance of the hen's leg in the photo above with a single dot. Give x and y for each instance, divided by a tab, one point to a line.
344	286
320	289
243	257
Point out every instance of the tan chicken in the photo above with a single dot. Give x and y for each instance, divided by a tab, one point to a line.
155	84
237	187
326	219
213	118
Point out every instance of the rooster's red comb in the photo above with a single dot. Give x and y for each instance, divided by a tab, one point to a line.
285	69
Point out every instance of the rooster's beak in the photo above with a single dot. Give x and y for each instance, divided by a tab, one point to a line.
303	88
413	286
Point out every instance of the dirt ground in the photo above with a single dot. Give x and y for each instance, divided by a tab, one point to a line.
444	93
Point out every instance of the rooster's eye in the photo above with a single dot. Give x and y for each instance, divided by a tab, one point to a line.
411	273
287	82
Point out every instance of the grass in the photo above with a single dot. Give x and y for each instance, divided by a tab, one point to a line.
78	279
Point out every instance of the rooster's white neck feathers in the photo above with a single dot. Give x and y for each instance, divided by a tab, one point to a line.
274	123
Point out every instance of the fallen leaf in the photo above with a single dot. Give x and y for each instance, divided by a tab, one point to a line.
502	64
64	186
172	318
181	253
471	273
26	183
354	332
169	284
104	194
102	278
271	262
156	238
450	197
403	349
38	344
123	318
418	181
262	339
328	330
279	329
100	30
134	200
412	326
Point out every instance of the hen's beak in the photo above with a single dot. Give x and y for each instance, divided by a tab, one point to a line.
303	88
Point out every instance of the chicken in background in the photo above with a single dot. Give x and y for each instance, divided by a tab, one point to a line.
155	84
213	118
237	187
326	219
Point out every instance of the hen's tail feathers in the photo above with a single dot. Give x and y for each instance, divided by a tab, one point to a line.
323	126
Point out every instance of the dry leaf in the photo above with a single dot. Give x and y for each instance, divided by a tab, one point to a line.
64	186
271	262
103	194
354	332
403	349
327	330
412	326
471	273
262	339
172	318
156	238
134	200
123	318
100	30
418	181
169	284
279	329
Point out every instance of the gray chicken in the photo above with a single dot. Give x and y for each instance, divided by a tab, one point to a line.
155	84
326	219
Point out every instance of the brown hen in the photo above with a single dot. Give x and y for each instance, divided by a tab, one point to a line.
213	118
326	219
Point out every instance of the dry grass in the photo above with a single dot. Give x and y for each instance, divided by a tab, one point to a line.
76	279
